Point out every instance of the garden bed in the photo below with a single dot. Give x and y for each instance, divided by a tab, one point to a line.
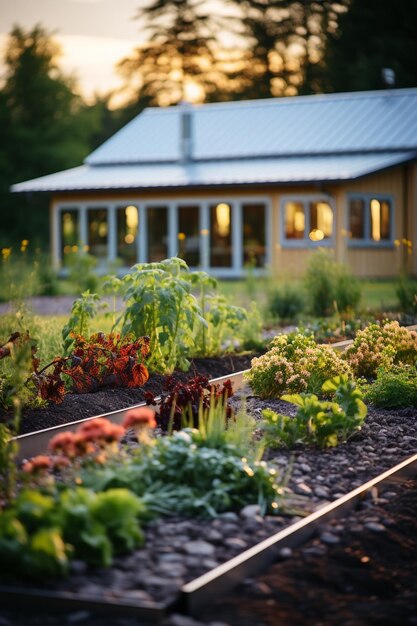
178	550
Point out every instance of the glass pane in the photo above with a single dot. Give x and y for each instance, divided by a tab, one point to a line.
69	229
321	221
127	232
189	234
294	220
254	236
220	235
97	232
380	220
357	219
157	221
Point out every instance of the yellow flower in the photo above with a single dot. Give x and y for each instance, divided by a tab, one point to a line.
181	236
25	242
6	252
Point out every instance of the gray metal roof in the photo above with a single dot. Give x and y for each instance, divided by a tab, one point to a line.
283	170
309	125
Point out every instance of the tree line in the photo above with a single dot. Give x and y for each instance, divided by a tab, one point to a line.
249	49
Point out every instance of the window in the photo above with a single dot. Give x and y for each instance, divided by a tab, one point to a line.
370	220
98	233
127	232
69	232
307	220
221	235
157	229
254	235
189	234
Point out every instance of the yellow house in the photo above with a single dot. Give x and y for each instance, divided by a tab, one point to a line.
261	182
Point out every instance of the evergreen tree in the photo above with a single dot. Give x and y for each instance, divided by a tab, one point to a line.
45	127
373	35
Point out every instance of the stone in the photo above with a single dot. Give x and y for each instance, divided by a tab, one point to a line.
321	492
302	489
182	620
285	553
329	538
250	511
305	468
235	542
229	516
199	548
375	527
78	616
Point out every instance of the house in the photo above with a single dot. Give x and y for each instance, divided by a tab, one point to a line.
257	183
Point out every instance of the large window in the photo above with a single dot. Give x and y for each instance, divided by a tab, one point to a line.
157	229
221	235
307	220
189	234
127	232
69	231
370	220
98	233
254	234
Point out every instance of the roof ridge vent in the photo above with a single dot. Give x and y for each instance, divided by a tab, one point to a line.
186	130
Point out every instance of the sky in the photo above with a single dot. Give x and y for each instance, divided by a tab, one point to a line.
94	35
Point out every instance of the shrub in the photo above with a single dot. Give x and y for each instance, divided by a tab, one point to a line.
294	363
330	285
321	423
286	302
381	346
394	388
407	295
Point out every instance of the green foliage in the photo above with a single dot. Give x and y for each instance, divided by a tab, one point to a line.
83	310
40	533
81	266
407	295
286	302
317	422
394	388
223	323
381	346
294	363
330	286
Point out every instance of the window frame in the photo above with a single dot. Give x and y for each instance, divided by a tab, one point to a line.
236	202
305	200
367	241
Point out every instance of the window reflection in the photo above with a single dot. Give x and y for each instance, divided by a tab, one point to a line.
98	233
157	228
357	219
254	239
127	231
380	219
189	234
321	221
69	229
220	235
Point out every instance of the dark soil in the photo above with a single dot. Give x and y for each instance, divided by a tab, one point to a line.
79	406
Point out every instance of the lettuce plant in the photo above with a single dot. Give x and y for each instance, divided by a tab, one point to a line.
317	422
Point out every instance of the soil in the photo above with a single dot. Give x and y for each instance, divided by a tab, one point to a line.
329	579
79	406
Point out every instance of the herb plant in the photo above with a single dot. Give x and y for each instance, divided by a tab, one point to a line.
84	309
317	422
295	363
394	387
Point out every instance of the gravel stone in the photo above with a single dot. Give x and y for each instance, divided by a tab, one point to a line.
303	489
250	511
199	547
329	538
375	527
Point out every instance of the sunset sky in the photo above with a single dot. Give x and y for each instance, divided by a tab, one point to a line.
94	34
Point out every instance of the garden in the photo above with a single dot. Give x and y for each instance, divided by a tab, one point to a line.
196	471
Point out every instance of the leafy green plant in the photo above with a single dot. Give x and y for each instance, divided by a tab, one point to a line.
294	363
407	295
317	422
394	387
81	266
159	304
330	286
381	346
223	323
83	310
286	302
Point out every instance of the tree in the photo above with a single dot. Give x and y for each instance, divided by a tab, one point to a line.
179	60
45	127
372	35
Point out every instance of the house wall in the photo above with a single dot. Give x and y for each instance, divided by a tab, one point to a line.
399	183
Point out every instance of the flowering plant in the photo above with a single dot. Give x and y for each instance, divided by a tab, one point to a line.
295	363
381	346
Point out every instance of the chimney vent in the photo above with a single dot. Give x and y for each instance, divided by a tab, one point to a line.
388	77
186	132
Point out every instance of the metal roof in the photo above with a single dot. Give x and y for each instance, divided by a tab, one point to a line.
303	125
283	170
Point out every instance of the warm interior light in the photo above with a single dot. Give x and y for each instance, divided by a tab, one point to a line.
223	219
132	220
129	238
316	234
324	219
102	229
376	219
68	225
299	220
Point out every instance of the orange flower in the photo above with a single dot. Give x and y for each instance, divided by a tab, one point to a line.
143	417
63	443
37	465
